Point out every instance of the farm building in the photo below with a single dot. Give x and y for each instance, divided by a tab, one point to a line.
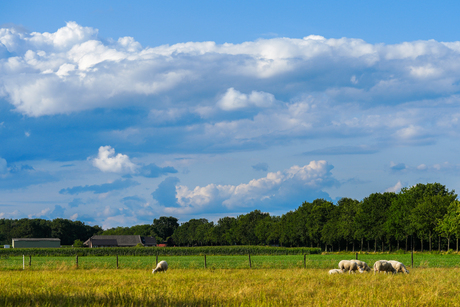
36	242
119	241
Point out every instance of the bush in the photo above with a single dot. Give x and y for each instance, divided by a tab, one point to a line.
78	243
166	251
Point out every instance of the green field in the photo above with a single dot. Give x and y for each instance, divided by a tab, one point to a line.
278	280
327	261
227	287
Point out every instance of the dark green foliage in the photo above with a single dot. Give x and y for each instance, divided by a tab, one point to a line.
66	230
77	243
164	227
140	230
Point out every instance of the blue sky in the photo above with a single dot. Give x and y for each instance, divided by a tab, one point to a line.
115	113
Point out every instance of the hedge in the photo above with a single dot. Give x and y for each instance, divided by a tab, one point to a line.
166	251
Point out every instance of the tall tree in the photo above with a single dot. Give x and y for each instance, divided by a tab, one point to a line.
373	214
288	234
430	202
225	229
165	226
245	227
267	230
449	225
427	214
331	233
318	217
348	208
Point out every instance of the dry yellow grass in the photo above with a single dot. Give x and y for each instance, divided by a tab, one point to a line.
238	287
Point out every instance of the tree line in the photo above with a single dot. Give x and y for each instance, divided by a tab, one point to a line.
418	217
413	218
66	230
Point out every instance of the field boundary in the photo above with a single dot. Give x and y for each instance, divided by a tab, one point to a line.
167	251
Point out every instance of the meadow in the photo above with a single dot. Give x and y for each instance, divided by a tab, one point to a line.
227	287
279	280
315	261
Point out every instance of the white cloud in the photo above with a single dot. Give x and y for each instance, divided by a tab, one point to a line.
409	132
40	214
395	188
422	167
276	189
72	70
106	161
234	100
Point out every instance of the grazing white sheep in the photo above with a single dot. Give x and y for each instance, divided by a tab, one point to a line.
347	265
162	266
383	266
362	266
399	267
335	271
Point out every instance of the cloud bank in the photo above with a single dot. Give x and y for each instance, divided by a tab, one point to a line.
277	190
208	97
161	112
73	70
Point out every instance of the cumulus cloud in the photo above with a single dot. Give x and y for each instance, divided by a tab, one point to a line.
276	190
233	100
395	188
72	70
106	161
374	89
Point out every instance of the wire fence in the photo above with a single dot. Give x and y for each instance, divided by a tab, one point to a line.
325	261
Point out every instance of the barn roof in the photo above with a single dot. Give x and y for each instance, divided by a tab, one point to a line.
120	240
36	239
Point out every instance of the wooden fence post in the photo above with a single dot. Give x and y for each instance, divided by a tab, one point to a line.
205	262
412	259
76	261
30	260
156	260
23	262
250	265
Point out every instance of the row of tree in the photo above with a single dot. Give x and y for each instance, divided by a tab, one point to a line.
71	232
413	217
68	231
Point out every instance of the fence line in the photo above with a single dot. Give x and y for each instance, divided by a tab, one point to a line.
266	261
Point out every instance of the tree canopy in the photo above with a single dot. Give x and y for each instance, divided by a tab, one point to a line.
420	212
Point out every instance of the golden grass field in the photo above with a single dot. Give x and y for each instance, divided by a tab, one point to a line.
227	287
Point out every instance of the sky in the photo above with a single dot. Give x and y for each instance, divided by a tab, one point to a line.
115	113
